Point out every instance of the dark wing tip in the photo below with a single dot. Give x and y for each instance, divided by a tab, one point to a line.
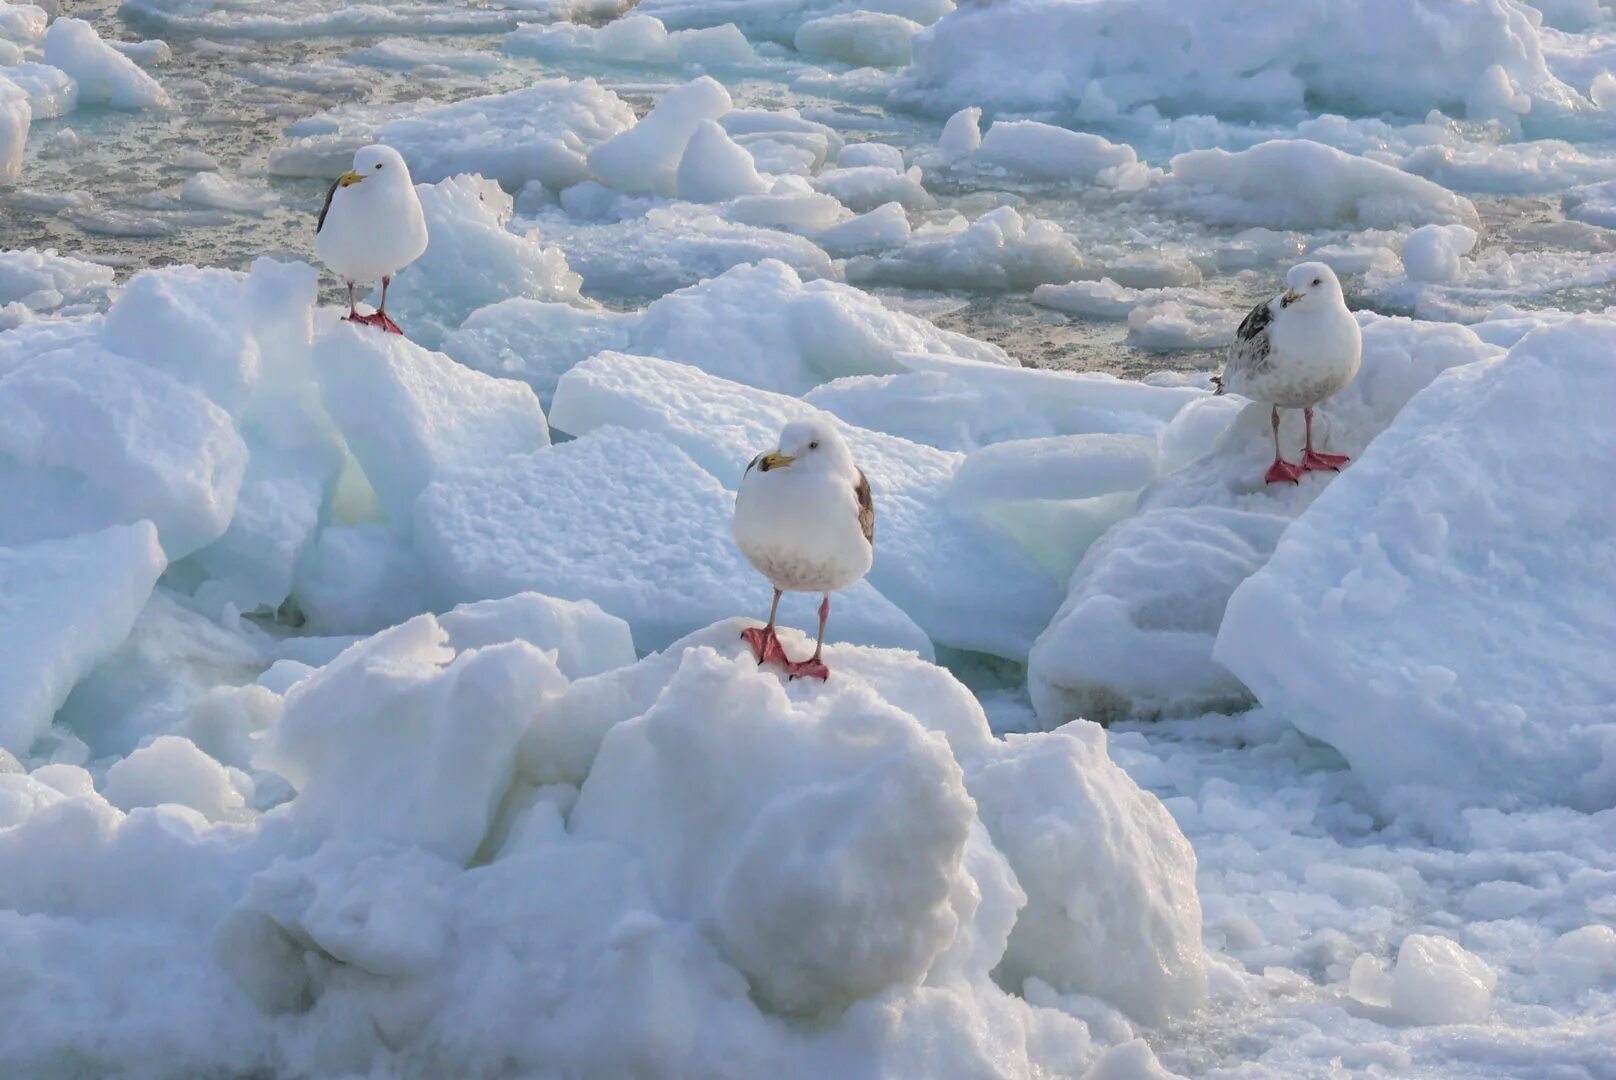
325	208
866	507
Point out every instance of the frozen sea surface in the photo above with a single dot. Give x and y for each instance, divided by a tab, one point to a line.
373	706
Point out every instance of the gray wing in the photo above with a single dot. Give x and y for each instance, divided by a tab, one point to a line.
1249	350
750	465
326	208
866	507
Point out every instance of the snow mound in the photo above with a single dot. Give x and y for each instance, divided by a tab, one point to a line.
44	280
67	604
1240	58
1434	252
1301	184
103	74
584	639
1446	516
472	260
172	770
412	417
535	341
1000	250
997	608
627	520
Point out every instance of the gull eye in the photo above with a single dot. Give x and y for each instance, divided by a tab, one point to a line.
1316	281
813	446
379	165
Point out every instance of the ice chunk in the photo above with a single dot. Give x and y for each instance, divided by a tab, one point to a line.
1301	184
1414	639
860	38
15	117
400	739
1045	152
171	769
1134	637
44	280
67	605
358	579
999	250
646	157
863	188
779	20
412	416
211	190
881	229
1433	252
103	74
656	553
1057	467
24	23
1436	981
90	439
1112	908
636	38
713	168
962	134
473	259
997	608
871	153
586	641
1238	58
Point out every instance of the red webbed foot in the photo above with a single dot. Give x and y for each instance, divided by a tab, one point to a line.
808	669
765	645
1314	461
355	317
1281	471
380	319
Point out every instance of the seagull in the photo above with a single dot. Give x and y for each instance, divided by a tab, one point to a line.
1293	352
805	519
371	226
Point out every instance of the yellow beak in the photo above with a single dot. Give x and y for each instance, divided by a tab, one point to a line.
1289	298
776	460
348	179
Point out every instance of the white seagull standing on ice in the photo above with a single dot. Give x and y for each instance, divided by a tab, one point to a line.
371	226
1293	352
805	518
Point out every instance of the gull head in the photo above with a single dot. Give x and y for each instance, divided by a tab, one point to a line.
1312	285
810	446
379	163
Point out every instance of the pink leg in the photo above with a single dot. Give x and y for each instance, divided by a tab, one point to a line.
814	667
763	640
1313	460
1281	470
353	312
380	318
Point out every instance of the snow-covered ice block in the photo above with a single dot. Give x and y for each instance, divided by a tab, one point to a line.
65	605
1301	184
778	21
1593	203
1407	618
172	770
401	739
632	39
411	416
1055	467
1134	637
1237	57
187	322
215	192
997	608
1112	908
541	132
764	326
860	38
534	340
90	439
714	167
585	639
1027	148
357	579
16	116
472	260
871	153
44	280
1000	250
862	188
103	74
645	158
677	246
625	519
24	23
956	404
882	229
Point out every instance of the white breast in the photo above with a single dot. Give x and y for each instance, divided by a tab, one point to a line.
801	531
373	229
1312	356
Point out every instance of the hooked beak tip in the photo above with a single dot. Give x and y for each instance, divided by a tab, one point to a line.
348	179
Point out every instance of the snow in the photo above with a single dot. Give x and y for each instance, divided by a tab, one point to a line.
45	280
1002	249
1434	252
1455	690
172	771
103	74
635	38
67	605
15	117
